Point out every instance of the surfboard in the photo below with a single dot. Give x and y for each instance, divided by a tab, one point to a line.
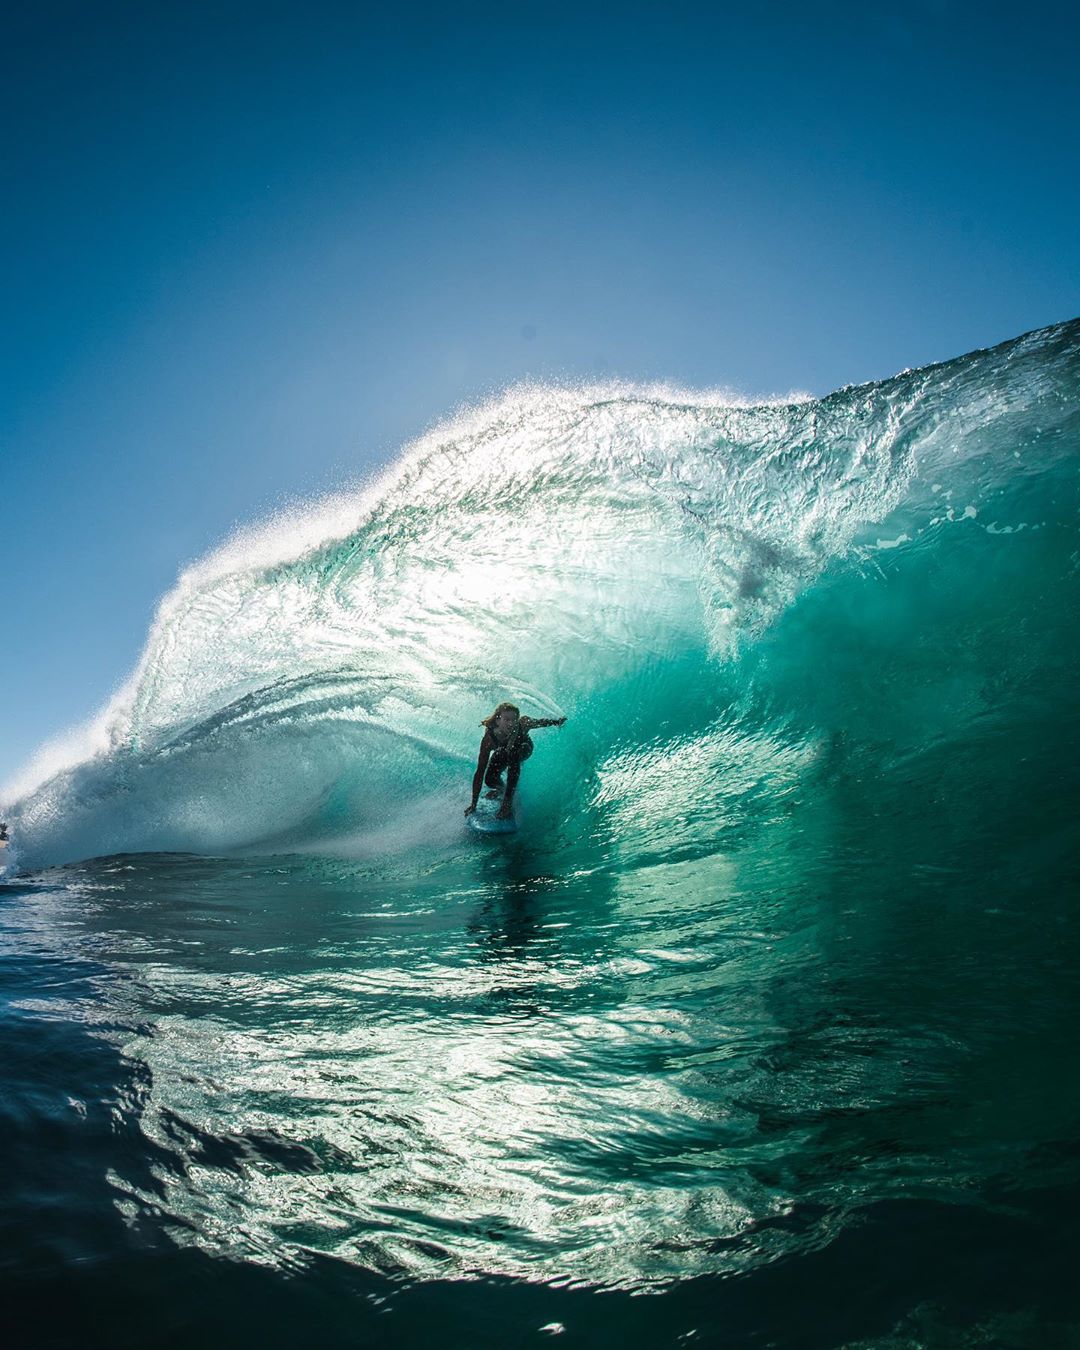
484	818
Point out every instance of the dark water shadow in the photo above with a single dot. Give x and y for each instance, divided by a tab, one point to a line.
71	1144
535	915
941	1275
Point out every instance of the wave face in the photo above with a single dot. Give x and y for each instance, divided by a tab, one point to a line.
725	600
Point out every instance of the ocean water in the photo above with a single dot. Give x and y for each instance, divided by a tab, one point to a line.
761	1031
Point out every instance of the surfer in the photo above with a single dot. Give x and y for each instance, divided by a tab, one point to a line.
505	747
4	840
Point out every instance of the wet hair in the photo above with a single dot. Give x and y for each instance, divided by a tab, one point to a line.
489	722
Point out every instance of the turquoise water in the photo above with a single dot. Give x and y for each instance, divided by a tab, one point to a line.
761	1031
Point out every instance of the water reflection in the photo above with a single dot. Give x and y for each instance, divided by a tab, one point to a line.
511	1063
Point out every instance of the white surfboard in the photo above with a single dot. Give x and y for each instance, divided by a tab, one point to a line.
484	818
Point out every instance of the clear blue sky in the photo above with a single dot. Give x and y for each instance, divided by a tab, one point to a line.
249	249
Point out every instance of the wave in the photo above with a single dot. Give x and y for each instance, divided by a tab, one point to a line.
729	602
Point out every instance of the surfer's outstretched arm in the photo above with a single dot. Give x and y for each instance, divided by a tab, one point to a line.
486	747
529	722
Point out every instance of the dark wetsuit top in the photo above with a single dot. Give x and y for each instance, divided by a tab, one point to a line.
509	755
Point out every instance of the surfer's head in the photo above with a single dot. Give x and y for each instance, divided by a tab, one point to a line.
504	718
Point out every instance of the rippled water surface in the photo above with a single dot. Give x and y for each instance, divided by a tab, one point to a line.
394	1088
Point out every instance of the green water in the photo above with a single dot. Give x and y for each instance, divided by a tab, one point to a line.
761	1030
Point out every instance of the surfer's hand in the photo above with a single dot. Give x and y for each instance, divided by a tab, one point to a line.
559	721
470	809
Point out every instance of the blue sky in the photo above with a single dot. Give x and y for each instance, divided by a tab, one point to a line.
251	249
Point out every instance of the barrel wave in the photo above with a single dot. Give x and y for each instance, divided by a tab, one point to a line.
722	598
767	1010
